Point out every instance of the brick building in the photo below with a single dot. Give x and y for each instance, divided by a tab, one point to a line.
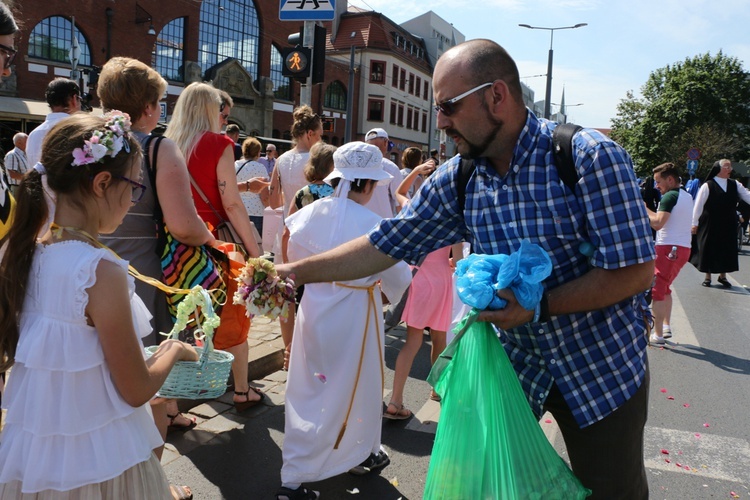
235	45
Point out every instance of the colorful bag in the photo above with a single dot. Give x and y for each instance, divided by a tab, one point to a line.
489	444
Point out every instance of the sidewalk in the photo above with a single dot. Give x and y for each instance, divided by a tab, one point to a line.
216	416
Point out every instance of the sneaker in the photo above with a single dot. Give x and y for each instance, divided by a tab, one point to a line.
667	332
655	339
300	493
373	463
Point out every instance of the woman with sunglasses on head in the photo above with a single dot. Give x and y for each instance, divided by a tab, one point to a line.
195	129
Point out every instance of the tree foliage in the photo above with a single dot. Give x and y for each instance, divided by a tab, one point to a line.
702	102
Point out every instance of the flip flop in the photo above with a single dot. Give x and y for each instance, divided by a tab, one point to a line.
398	415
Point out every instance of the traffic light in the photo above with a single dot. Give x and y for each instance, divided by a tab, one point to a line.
296	62
329	123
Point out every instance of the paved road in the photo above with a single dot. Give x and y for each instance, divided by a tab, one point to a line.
700	392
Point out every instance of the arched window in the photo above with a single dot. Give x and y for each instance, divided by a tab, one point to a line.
335	96
282	85
50	39
168	57
229	29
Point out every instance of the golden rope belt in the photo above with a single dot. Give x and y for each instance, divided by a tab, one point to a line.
371	308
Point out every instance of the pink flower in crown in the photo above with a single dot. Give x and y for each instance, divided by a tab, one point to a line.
94	139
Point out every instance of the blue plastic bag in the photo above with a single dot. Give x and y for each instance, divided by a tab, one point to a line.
480	276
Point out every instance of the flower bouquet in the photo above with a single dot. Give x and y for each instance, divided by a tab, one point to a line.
262	291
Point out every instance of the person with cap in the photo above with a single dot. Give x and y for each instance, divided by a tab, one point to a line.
384	201
337	354
269	160
64	98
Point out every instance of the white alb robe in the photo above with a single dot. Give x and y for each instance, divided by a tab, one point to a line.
327	347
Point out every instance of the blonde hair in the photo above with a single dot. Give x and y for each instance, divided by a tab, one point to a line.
196	112
250	147
320	163
129	85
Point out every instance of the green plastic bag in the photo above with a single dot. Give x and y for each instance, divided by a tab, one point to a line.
489	444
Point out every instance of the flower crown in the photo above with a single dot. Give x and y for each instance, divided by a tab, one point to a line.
107	142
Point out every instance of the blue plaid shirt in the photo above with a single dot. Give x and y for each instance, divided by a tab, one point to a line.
598	359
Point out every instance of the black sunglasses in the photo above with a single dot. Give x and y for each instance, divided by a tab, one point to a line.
448	107
10	55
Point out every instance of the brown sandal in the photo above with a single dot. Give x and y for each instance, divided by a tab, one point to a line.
172	425
399	415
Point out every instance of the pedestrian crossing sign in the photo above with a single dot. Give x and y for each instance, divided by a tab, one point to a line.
307	10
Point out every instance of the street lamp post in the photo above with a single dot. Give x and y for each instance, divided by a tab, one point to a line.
548	93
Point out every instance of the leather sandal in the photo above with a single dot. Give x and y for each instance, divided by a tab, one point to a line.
399	415
724	282
181	427
706	283
248	403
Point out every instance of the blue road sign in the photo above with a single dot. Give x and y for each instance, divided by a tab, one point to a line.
307	10
692	166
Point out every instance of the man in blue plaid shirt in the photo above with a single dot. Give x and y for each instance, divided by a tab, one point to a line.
584	358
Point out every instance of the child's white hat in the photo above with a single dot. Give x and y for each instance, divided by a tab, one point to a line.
358	160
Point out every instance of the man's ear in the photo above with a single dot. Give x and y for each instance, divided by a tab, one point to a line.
101	182
500	94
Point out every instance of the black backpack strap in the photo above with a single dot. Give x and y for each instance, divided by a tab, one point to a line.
562	144
151	170
465	169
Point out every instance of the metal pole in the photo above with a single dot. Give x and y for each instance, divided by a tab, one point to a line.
350	99
305	95
548	93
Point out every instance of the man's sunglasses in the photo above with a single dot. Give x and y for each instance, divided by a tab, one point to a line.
10	55
448	107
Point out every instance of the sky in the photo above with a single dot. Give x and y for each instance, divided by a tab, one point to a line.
597	64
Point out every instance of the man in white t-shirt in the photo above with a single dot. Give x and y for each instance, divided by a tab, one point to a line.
64	98
383	201
672	222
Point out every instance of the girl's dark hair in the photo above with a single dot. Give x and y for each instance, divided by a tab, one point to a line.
304	121
31	211
357	186
8	24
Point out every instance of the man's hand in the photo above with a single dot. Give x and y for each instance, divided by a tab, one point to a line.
511	316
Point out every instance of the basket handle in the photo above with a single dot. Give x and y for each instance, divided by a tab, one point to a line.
198	297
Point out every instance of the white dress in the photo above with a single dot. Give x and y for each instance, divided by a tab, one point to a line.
66	424
291	167
329	337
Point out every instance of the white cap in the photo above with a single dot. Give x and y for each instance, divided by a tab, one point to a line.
358	160
375	133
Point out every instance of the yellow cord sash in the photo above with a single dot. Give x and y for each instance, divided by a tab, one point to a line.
371	309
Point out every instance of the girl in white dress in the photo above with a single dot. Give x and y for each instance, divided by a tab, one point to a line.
335	382
78	421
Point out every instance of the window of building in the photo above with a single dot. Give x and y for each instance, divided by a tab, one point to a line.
229	29
168	56
402	76
400	121
393	112
377	72
411	83
426	90
282	85
50	39
408	117
418	87
375	110
394	76
335	96
424	121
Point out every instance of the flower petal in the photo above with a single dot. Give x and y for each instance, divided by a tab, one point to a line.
663	390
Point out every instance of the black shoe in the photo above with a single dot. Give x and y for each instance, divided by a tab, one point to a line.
373	463
706	283
300	493
724	282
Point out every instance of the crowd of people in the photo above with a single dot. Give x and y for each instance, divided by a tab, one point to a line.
85	196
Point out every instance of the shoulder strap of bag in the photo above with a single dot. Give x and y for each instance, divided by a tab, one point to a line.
241	167
465	169
562	143
204	198
151	171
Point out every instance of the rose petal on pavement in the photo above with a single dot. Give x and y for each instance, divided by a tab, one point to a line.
686	405
706	425
670	397
697	435
548	421
664	452
663	390
668	460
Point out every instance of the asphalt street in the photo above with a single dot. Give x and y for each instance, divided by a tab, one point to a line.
700	392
